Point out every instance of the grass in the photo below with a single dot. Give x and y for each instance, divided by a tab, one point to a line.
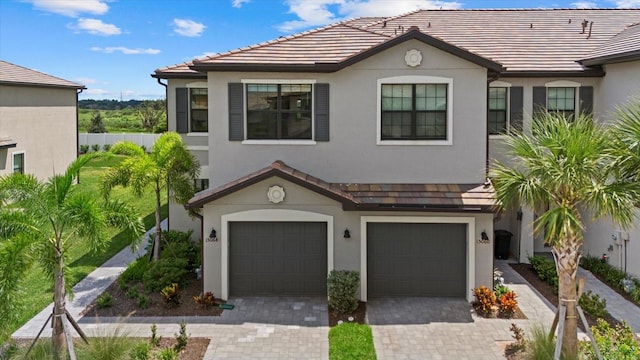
351	341
118	121
38	288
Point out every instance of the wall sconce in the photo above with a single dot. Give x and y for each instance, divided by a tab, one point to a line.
213	235
347	234
484	236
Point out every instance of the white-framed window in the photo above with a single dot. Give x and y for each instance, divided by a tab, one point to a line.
17	161
415	110
562	97
498	116
279	111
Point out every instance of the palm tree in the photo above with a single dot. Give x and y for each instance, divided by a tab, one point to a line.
56	216
627	141
563	167
170	165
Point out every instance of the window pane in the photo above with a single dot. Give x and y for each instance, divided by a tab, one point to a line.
296	125
497	98
497	122
199	120
262	125
561	99
295	97
396	125
18	163
262	97
431	125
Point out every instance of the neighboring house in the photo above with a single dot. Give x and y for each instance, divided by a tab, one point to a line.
364	145
38	121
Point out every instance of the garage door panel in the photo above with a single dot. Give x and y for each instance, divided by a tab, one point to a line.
277	258
407	259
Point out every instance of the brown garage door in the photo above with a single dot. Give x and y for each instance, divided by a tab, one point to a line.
416	260
278	258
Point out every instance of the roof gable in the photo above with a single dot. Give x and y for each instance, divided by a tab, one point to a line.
625	46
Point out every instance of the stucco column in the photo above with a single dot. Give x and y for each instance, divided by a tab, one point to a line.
526	236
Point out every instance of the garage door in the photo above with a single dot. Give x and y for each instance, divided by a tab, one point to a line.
278	258
416	260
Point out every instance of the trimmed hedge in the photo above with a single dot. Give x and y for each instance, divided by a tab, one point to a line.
342	286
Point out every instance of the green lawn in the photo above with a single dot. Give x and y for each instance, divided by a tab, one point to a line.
118	121
38	288
350	341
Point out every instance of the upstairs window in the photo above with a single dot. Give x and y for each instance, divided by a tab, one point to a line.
414	112
18	162
279	111
498	123
192	110
199	110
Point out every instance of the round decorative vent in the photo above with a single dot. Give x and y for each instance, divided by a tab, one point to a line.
275	194
413	57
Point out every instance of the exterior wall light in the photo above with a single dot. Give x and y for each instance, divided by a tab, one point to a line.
213	235
347	234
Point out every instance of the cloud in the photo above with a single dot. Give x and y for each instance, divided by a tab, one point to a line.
189	28
628	3
86	81
322	12
238	3
96	27
125	50
584	5
95	92
71	8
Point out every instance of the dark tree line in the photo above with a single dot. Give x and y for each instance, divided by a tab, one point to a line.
113	104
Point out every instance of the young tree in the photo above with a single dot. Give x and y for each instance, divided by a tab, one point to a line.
97	125
152	114
170	165
564	167
56	217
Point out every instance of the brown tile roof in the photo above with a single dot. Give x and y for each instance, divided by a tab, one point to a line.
523	41
623	47
17	75
422	197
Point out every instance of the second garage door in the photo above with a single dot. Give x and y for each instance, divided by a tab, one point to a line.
278	258
406	259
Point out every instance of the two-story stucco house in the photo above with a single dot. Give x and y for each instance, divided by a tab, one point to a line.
364	145
38	121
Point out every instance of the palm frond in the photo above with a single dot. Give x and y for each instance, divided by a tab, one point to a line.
124	217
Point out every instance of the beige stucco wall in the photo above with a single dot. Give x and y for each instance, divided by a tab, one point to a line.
346	252
619	86
43	123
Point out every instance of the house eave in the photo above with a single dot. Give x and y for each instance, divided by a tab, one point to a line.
591	72
611	59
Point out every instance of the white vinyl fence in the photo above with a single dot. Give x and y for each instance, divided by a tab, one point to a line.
106	138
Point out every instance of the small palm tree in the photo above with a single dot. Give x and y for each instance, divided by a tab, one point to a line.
627	141
564	167
56	216
170	165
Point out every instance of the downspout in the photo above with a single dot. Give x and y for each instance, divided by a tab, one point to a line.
166	113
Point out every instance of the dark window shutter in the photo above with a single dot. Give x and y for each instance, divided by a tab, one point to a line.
586	100
182	110
516	108
322	112
539	100
236	112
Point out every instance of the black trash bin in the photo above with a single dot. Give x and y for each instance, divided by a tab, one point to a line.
502	243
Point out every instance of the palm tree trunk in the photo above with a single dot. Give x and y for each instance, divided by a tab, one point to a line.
567	258
156	241
58	338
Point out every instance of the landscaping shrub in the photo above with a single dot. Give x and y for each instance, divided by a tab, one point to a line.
126	148
181	338
592	304
134	273
546	270
485	299
520	343
95	147
611	275
507	304
106	147
342	286
500	290
143	302
351	341
110	346
167	354
165	272
140	351
132	293
104	301
539	345
155	339
84	149
617	343
171	294
178	244
205	300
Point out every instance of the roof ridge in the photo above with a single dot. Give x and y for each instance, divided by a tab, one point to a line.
187	63
367	30
42	73
277	40
395	17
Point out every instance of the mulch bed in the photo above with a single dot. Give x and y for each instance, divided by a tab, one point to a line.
124	307
358	315
495	314
196	347
527	272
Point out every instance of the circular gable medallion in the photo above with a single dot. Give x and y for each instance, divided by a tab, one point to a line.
413	57
275	194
